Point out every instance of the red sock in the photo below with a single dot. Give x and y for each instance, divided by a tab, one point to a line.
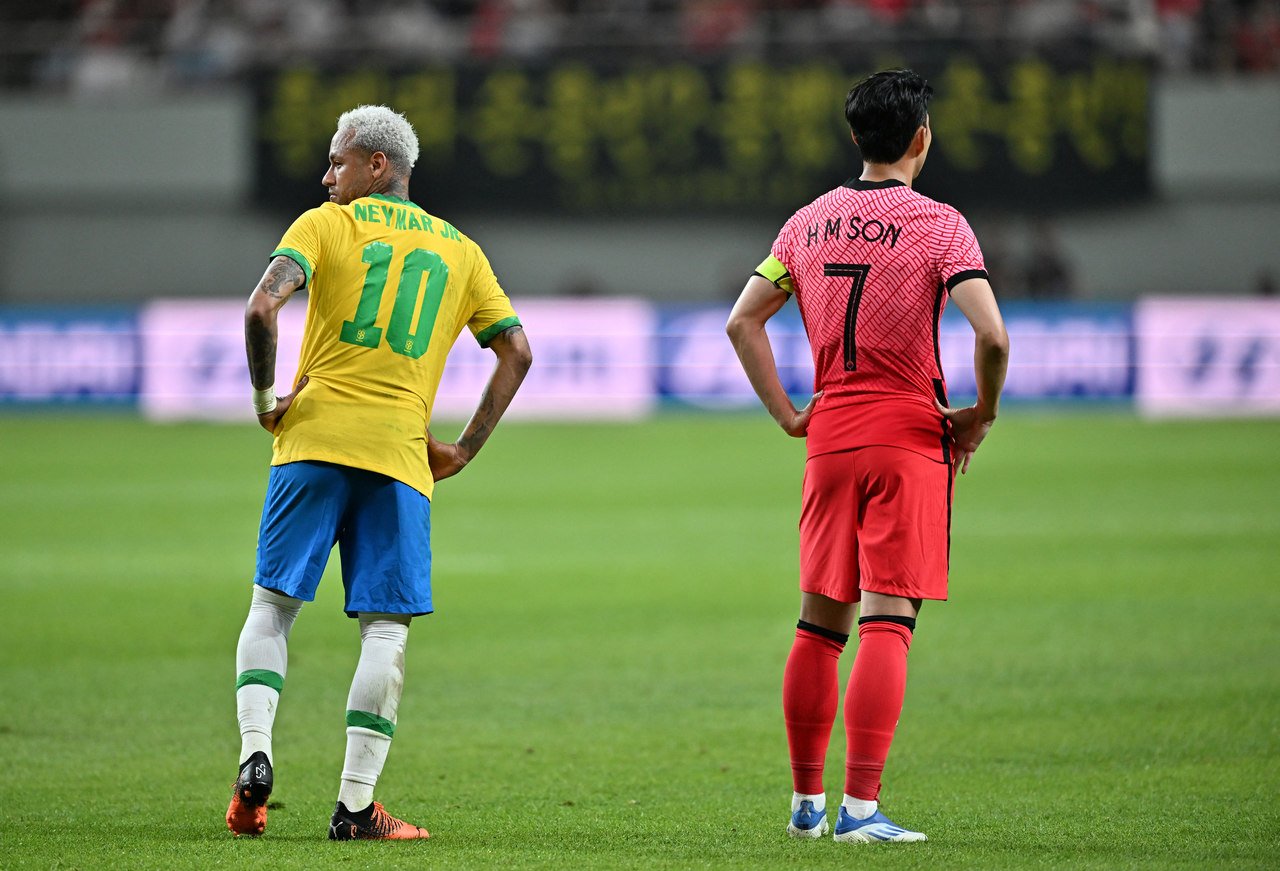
810	692
873	702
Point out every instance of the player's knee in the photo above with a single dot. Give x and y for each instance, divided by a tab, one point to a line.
274	604
892	619
368	617
840	638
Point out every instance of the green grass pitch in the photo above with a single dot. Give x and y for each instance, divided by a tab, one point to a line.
600	684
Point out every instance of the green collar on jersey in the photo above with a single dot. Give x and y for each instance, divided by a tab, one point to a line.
389	198
859	185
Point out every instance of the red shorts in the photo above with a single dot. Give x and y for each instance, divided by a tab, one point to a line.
878	519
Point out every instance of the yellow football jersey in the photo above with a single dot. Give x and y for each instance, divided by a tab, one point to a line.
391	288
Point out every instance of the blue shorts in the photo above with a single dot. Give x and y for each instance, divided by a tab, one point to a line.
382	528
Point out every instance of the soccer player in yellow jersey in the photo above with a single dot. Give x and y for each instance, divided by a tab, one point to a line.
391	287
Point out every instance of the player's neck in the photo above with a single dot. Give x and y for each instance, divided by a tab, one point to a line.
395	187
902	171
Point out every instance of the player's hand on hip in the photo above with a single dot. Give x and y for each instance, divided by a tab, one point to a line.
271	420
969	426
797	424
445	458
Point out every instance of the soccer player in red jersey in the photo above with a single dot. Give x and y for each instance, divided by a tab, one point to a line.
871	265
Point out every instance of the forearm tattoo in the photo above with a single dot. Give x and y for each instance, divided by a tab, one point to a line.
282	278
505	381
478	431
260	346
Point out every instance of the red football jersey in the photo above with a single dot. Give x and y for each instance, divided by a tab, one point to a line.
870	264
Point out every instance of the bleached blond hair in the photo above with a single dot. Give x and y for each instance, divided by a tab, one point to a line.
379	128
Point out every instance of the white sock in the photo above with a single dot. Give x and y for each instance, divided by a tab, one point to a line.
372	704
858	808
819	801
261	661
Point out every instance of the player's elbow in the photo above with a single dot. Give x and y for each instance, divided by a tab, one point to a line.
522	359
263	305
994	342
1000	341
514	352
259	311
737	327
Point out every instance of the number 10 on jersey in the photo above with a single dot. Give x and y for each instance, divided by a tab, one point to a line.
403	336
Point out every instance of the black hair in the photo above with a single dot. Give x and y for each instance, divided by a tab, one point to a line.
885	110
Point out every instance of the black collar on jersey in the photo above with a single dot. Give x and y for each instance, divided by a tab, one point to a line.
859	185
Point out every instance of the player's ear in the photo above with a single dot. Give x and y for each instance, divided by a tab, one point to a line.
378	163
918	141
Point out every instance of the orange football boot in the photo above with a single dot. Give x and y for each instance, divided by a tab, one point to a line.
371	824
247	813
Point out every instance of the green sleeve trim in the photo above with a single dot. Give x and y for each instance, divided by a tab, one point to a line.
774	271
296	257
260	677
366	720
487	335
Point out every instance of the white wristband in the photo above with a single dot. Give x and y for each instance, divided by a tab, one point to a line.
264	401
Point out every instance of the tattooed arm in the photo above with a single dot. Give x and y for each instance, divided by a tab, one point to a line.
514	359
282	278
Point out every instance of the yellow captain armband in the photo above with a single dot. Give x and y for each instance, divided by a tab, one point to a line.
777	274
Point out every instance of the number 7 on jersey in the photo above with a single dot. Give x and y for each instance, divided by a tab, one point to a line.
858	272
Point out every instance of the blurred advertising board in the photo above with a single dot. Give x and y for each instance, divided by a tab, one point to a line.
69	356
194	362
592	360
1208	357
623	358
1060	352
672	136
697	366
